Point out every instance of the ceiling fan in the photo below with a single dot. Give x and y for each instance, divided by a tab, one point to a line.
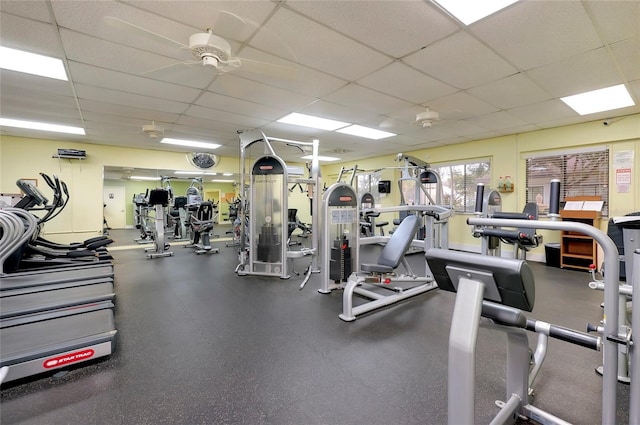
426	118
154	131
208	49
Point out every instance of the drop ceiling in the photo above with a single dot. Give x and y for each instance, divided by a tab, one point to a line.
372	63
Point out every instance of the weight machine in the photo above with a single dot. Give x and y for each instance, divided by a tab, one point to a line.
379	282
420	185
625	232
488	204
613	333
263	246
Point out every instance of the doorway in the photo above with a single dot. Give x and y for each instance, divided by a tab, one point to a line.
213	196
114	206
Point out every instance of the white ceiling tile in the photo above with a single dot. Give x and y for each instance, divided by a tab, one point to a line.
295	78
562	28
568	77
401	27
473	63
509	92
356	96
94	76
32	85
546	111
391	124
406	83
107	122
239	106
33	9
460	128
318	47
128	99
12	96
100	107
618	20
460	105
61	115
230	19
497	121
242	121
627	54
634	88
29	35
252	91
208	123
93	19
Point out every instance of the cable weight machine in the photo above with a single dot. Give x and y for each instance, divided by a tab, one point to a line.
263	248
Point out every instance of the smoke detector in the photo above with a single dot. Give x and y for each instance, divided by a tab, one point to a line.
425	119
153	131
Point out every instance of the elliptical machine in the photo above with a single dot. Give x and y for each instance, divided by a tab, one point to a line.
159	200
202	226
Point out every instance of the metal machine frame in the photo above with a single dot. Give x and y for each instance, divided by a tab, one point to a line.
271	163
498	289
611	332
338	209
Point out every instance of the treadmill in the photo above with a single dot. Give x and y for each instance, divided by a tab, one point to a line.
54	318
17	302
70	337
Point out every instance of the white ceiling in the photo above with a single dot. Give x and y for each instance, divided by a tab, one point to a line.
373	63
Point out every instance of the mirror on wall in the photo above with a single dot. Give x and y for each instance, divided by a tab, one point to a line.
122	184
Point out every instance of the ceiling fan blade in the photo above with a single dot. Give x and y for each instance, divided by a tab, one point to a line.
229	65
170	70
268	69
230	25
123	25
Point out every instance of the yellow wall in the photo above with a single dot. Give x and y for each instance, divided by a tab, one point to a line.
507	158
25	158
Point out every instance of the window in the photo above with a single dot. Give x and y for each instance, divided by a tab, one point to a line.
459	183
584	173
368	183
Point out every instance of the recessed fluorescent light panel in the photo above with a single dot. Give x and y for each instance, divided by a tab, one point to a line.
321	158
470	11
190	143
599	100
222	181
369	133
194	173
313	122
144	178
31	63
34	125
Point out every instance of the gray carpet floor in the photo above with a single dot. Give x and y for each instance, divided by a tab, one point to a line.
198	344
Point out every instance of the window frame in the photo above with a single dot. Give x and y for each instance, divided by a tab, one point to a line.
582	172
466	193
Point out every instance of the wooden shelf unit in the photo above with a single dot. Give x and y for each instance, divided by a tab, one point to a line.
579	251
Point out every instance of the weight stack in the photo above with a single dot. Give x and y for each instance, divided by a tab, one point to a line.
269	244
340	262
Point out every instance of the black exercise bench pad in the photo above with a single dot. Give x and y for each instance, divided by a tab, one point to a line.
396	247
513	278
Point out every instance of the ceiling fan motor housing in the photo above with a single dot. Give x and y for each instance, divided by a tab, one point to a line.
209	48
426	118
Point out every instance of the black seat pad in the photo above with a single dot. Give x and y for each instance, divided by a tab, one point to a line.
396	247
